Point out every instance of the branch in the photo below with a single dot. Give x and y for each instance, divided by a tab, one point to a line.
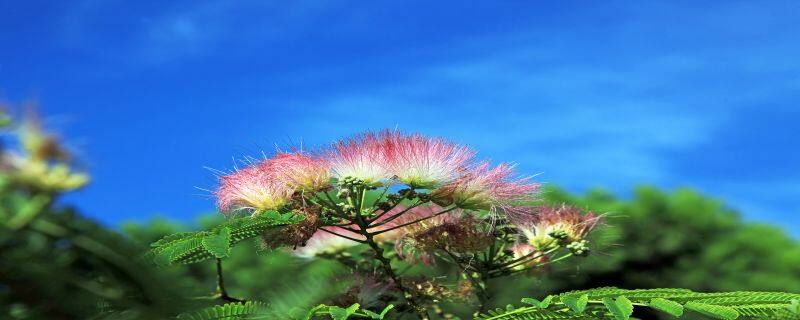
343	236
415	221
395	216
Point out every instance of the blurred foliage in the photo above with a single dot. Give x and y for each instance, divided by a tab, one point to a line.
55	264
682	239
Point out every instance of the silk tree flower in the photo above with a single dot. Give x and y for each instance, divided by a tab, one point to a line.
322	242
546	226
424	162
301	171
486	188
361	157
252	188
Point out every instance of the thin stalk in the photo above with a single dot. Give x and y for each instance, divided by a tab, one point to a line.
221	292
412	206
479	284
526	258
415	221
343	236
378	199
387	268
398	282
536	266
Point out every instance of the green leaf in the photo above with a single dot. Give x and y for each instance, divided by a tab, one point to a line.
386	310
539	304
338	313
719	312
314	311
794	307
576	303
218	244
374	315
620	308
190	247
619	302
371	314
668	306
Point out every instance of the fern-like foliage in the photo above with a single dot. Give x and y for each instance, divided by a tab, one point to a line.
618	304
230	311
258	310
191	247
339	313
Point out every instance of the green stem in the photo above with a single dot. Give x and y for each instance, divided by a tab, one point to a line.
479	284
415	221
343	236
387	267
398	282
221	292
526	258
376	218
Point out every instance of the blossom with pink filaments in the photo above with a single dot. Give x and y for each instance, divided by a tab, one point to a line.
252	188
544	226
300	170
362	157
486	188
424	162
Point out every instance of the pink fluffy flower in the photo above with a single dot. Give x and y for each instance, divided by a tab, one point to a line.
361	157
424	162
299	170
252	188
544	226
486	188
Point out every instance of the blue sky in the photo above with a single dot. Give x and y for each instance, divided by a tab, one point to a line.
586	94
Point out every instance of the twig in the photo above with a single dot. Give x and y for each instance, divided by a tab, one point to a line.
343	236
415	221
